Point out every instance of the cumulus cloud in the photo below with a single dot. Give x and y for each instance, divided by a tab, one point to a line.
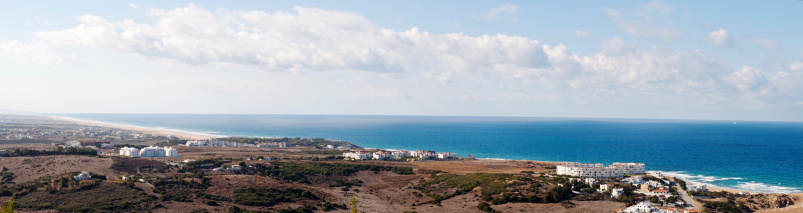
720	38
581	34
748	79
35	53
765	43
503	10
307	39
311	39
623	65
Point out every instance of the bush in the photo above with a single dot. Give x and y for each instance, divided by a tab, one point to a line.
270	196
211	203
402	170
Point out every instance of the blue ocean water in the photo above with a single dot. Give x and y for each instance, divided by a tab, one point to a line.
757	156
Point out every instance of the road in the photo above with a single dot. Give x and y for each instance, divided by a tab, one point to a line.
686	197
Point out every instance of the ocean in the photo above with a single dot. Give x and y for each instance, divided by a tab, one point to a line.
755	156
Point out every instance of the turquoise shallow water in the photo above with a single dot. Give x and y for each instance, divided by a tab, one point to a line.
758	156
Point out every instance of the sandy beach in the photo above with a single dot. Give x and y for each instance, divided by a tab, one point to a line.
143	130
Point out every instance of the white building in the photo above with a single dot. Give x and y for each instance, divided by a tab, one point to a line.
152	151
635	180
382	155
106	146
589	170
196	143
641	207
401	154
695	187
171	152
155	151
129	151
617	192
447	156
629	168
358	155
83	176
605	187
424	155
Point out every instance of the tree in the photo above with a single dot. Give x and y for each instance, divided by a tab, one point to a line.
8	207
353	204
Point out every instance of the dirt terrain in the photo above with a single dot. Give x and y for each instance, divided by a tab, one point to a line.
31	168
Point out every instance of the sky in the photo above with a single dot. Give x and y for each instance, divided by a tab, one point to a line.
702	60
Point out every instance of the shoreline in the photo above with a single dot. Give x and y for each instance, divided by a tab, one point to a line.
142	129
203	136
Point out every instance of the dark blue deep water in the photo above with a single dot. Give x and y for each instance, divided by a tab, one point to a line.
759	156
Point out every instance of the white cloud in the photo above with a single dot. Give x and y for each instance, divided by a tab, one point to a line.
581	34
503	10
40	20
622	66
765	43
748	79
35	53
658	6
720	38
797	66
643	28
308	39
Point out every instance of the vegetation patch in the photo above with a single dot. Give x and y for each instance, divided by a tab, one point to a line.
496	188
270	196
58	151
181	190
130	165
297	172
105	197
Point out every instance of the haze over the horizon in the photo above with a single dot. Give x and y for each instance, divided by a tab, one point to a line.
702	60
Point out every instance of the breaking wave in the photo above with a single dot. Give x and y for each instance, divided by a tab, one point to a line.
732	183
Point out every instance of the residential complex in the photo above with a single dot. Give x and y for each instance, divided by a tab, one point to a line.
598	171
151	151
399	155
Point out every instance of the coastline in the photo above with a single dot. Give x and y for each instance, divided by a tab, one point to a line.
203	136
144	130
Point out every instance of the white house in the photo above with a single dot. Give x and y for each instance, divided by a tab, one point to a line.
641	207
635	180
617	192
129	151
695	187
424	155
447	156
401	154
589	181
171	152
83	176
196	143
604	187
382	155
358	155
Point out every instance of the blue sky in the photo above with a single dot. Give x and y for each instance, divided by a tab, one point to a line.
729	60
